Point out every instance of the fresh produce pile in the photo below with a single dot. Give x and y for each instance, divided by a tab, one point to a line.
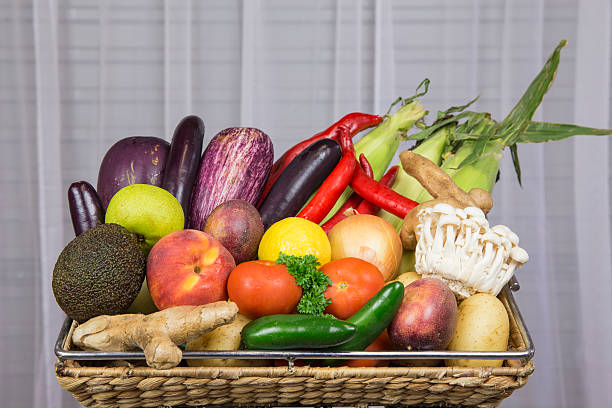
326	248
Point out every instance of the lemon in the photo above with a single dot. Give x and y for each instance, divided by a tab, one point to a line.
295	236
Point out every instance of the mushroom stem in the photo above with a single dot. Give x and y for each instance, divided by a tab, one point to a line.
458	246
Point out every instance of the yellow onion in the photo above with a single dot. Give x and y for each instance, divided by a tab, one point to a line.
370	238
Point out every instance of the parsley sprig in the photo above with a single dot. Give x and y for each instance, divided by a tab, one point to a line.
312	280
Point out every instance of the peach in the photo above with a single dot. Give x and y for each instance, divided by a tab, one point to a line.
188	267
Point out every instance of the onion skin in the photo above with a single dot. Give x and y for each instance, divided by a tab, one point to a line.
370	238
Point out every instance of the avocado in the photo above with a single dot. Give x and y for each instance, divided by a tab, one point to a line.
99	272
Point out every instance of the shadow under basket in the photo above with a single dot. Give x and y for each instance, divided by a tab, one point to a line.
100	384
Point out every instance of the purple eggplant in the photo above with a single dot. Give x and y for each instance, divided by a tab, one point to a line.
300	179
184	160
235	165
86	209
133	160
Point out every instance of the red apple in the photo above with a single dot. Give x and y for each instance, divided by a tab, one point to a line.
427	318
188	267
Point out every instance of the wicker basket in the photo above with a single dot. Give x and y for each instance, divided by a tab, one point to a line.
128	387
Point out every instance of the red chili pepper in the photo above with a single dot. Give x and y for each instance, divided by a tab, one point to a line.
355	122
335	183
380	195
353	201
367	207
366	166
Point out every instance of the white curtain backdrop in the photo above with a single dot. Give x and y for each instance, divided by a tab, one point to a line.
76	76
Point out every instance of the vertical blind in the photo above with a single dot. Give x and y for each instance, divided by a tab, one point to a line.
76	76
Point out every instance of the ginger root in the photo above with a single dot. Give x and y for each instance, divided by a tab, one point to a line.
157	334
442	188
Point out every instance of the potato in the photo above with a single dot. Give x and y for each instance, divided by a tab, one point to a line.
225	337
482	325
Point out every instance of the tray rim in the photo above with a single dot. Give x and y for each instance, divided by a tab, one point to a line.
528	353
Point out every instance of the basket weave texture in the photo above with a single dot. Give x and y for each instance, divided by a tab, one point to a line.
128	387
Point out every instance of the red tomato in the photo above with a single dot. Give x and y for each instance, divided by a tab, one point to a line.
354	282
262	288
381	343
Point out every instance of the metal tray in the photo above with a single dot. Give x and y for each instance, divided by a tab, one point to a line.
63	352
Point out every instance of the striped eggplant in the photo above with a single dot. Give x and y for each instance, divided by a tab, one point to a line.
235	165
133	160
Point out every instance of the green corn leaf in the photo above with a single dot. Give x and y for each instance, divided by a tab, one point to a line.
540	132
459	136
479	148
430	130
455	109
477	126
444	118
395	102
475	135
517	164
425	84
406	101
518	119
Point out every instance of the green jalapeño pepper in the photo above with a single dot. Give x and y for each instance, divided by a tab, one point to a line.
296	331
372	319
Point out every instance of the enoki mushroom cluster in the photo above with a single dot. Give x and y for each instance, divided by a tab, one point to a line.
458	246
